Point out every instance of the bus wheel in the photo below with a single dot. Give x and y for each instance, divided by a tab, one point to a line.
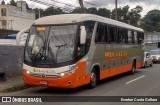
93	79
133	68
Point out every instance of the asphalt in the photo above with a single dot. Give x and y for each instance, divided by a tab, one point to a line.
145	82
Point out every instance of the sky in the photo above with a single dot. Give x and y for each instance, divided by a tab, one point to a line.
109	4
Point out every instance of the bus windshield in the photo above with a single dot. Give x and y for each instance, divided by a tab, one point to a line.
51	44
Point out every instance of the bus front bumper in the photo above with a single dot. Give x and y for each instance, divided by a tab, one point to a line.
70	81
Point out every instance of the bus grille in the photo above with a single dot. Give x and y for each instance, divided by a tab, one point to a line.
44	75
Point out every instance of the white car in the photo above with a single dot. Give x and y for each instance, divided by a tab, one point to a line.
148	60
155	55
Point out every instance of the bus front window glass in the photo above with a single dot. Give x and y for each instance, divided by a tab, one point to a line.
51	44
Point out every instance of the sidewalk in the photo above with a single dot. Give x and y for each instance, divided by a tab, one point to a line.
10	82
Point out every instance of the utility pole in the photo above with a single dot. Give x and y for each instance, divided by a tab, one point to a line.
81	3
116	14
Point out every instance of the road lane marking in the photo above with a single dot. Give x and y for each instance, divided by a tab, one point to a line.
135	79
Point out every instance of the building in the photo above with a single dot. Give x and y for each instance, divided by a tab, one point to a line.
16	17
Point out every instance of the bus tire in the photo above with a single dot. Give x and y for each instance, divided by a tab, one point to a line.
93	79
133	68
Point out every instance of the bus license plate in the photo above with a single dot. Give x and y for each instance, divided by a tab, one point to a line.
43	82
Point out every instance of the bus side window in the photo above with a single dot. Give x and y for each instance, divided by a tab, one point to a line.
140	37
106	33
100	35
89	25
120	36
112	34
133	40
123	31
135	37
129	36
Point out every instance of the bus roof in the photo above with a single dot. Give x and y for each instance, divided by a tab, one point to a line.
74	18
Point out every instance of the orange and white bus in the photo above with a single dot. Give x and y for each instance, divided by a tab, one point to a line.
71	50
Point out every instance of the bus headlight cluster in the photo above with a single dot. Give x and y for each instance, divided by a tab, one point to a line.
72	70
28	72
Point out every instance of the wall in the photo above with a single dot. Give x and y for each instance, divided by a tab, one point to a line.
21	19
11	59
4	17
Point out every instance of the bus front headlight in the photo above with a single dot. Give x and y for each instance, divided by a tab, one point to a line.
72	70
27	71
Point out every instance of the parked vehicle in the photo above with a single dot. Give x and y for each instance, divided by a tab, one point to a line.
148	60
12	36
155	55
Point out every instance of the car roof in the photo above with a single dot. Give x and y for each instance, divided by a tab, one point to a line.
154	50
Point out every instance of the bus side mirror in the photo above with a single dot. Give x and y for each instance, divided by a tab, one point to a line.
19	36
83	35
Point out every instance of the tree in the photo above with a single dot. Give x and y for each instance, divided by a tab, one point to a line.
92	10
104	12
52	11
151	21
132	16
12	2
3	2
135	16
80	10
122	13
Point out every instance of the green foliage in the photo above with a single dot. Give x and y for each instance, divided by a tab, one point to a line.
12	2
101	11
135	16
52	11
47	12
80	10
151	22
3	2
128	16
104	12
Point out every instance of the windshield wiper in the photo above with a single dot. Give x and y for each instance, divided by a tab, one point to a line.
59	46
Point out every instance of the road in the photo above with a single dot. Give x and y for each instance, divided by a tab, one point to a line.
145	82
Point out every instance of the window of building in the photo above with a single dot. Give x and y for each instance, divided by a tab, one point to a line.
3	12
4	22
